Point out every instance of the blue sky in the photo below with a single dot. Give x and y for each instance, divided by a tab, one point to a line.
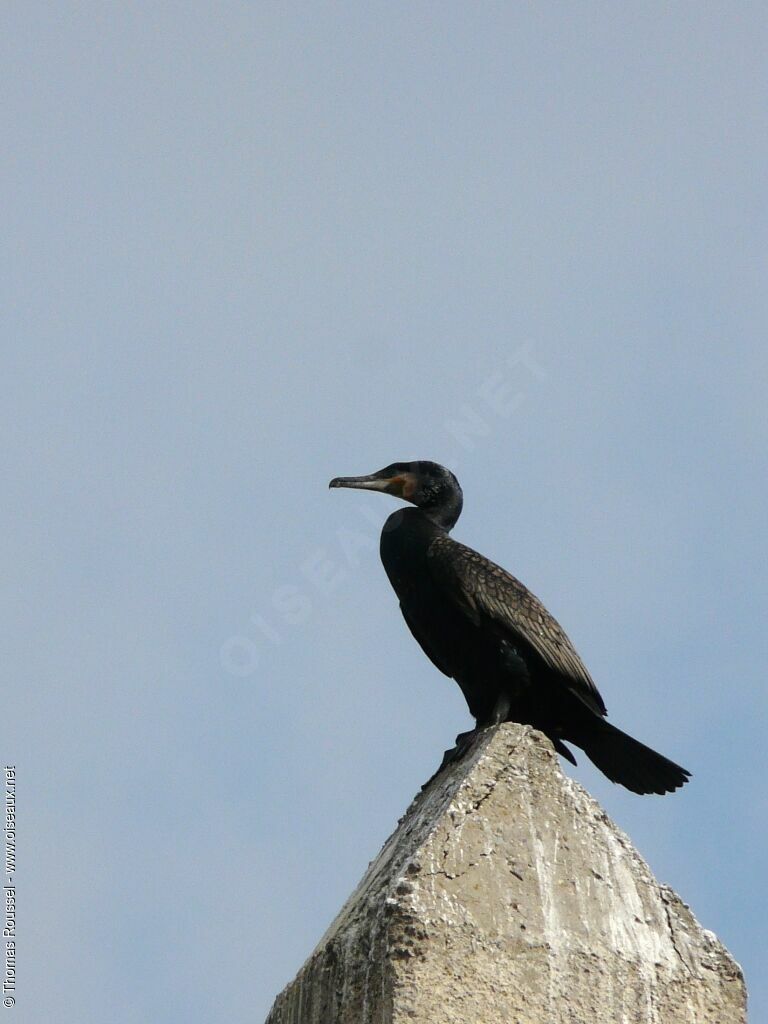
249	247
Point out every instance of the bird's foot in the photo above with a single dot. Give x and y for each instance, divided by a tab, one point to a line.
463	743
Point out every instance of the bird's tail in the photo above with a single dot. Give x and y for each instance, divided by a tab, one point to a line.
630	763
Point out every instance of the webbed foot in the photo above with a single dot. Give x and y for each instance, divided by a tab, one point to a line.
463	743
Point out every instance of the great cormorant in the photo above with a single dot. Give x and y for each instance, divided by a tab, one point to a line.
481	626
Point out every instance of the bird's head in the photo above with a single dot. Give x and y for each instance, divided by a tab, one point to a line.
427	485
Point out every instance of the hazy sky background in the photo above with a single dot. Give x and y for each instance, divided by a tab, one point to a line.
249	247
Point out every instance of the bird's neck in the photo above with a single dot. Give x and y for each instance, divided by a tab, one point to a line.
445	511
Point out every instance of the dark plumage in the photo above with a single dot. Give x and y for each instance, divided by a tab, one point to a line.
481	626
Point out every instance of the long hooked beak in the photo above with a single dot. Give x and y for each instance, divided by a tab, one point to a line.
363	483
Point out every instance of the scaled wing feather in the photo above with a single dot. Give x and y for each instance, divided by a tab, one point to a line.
486	592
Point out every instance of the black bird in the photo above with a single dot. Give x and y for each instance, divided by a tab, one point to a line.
481	626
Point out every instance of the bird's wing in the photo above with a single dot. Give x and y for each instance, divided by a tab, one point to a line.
489	594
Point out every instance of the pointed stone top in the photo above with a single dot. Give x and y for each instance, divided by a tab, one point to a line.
506	894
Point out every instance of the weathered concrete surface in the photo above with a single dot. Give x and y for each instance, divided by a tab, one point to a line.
507	896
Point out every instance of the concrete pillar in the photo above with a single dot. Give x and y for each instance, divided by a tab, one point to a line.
507	896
